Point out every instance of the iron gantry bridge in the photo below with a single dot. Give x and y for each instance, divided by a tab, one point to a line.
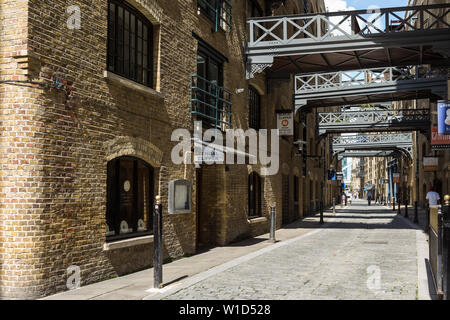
401	142
355	58
368	86
349	40
374	120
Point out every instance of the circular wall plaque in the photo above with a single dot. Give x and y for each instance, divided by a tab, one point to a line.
126	186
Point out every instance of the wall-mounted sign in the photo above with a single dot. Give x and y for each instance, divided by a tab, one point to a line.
439	141
339	176
430	164
443	108
209	155
285	121
180	196
396	177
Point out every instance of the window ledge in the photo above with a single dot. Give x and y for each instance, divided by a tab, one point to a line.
108	75
127	243
257	220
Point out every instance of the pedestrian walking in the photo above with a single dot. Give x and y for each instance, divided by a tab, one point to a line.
369	197
433	197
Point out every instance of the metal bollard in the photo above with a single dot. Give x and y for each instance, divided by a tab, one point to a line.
321	212
406	209
440	258
157	245
334	205
416	211
272	224
446	248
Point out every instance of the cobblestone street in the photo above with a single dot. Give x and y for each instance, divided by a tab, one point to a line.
361	253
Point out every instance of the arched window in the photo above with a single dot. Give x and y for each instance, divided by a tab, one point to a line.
255	191
254	108
130	43
129	198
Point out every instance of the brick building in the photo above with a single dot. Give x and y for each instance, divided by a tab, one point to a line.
89	97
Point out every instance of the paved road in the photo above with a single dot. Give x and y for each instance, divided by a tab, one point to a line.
361	253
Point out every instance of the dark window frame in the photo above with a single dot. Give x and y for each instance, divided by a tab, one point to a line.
255	195
113	214
254	108
207	11
126	62
211	57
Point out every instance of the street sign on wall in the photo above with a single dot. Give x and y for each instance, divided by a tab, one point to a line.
439	141
285	121
396	177
430	164
443	108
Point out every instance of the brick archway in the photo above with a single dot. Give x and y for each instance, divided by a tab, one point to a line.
131	146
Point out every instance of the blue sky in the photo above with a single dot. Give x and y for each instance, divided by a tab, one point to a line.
340	5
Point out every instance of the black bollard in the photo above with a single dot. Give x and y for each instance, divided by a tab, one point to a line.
157	245
321	212
272	224
446	248
416	212
406	209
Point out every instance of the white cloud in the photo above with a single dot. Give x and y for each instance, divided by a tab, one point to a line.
342	5
337	5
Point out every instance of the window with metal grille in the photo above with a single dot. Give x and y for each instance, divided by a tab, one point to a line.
218	11
130	43
254	108
208	8
130	184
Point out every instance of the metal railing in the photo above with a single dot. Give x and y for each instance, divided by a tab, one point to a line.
374	120
398	141
363	78
373	117
222	13
438	228
372	139
210	103
285	30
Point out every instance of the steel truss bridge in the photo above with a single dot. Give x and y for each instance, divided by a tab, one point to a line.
401	142
374	121
349	40
368	153
368	86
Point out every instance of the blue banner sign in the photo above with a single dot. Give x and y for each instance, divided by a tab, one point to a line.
443	109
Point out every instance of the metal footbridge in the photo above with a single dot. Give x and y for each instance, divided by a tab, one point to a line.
401	142
366	86
335	41
374	121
